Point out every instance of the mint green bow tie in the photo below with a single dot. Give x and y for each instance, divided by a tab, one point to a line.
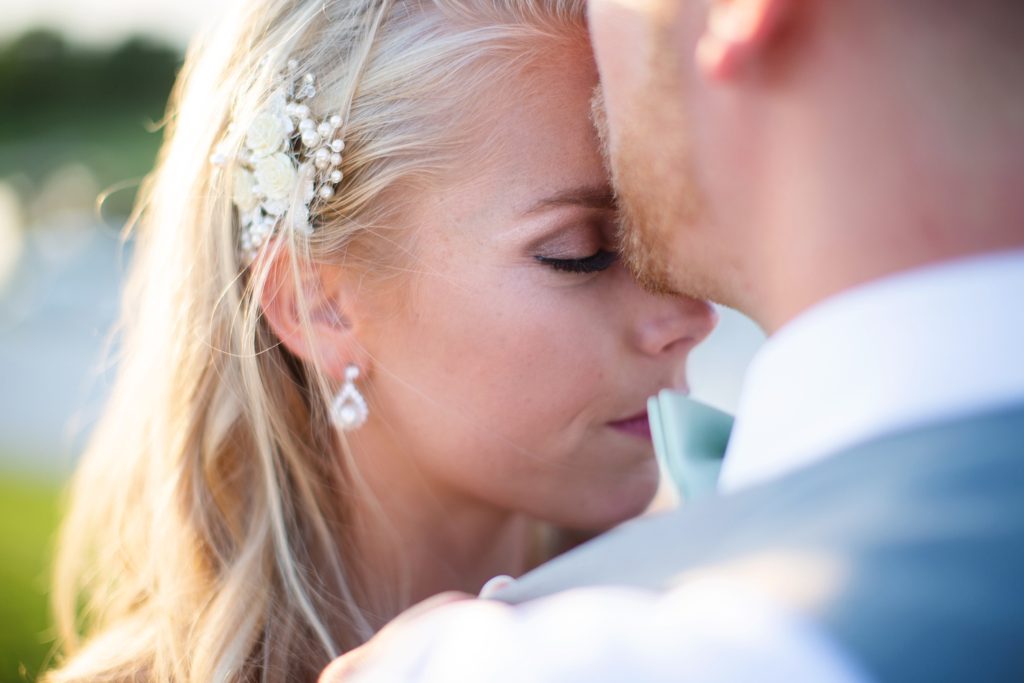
690	439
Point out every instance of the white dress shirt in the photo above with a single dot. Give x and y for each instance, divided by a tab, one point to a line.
900	352
921	346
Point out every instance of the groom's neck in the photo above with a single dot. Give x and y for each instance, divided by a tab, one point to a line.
902	151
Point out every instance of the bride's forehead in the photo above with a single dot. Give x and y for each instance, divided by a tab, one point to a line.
533	138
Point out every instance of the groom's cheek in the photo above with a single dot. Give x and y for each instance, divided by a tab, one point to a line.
621	46
632	39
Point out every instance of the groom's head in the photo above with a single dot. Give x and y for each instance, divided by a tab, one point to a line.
770	153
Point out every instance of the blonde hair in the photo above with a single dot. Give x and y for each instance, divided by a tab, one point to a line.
206	536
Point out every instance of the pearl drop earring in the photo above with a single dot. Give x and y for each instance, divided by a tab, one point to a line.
348	410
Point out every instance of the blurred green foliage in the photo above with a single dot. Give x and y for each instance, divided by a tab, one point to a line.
28	521
62	103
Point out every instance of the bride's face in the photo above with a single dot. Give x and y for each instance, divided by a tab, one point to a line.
515	369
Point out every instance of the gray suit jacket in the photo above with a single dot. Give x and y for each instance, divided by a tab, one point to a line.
908	551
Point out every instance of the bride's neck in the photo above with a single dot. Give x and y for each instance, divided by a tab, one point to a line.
453	550
415	539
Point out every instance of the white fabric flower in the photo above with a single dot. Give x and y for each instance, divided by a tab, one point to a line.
278	106
275	207
276	180
266	134
299	214
298	219
307	173
276	175
277	102
243	194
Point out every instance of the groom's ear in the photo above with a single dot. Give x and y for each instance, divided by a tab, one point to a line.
738	33
310	310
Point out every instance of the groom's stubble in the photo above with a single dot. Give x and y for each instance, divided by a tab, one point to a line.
657	187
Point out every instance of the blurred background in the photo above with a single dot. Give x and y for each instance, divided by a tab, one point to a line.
83	87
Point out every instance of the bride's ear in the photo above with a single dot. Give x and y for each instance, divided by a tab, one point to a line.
318	295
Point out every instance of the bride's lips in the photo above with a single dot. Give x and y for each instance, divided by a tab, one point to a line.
635	426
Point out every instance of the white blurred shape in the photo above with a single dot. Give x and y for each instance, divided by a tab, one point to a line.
717	366
12	233
103	21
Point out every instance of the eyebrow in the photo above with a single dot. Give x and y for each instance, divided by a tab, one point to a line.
590	197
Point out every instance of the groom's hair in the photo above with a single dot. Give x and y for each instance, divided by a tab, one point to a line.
997	23
957	40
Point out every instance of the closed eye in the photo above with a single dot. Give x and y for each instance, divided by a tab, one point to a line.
601	260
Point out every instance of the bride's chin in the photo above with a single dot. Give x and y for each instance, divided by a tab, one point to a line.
628	497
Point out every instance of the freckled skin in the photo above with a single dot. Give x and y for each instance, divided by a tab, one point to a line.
497	381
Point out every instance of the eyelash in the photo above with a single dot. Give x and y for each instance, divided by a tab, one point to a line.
601	260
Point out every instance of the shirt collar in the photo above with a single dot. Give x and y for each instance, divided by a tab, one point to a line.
906	350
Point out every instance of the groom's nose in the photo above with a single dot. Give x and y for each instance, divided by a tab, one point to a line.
674	325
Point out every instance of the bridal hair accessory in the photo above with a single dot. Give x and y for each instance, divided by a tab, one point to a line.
348	410
288	160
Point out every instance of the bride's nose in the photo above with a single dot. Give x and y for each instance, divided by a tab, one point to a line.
673	325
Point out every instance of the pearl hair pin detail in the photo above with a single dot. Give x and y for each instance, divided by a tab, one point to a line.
289	159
